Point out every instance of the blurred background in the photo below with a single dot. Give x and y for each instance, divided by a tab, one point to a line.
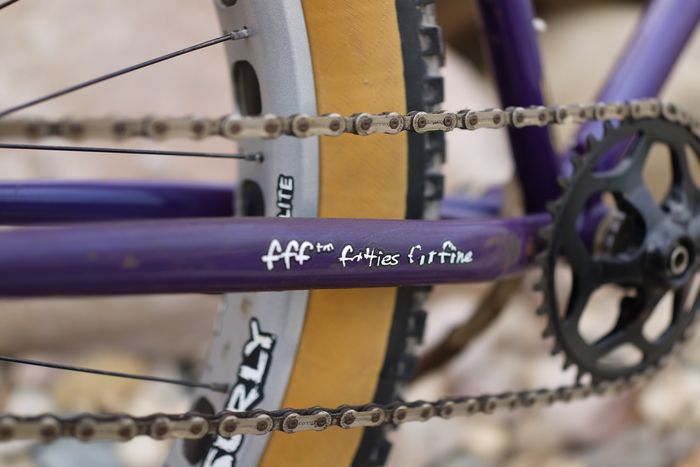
45	46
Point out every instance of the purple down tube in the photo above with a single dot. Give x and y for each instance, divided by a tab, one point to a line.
48	202
515	58
252	254
647	60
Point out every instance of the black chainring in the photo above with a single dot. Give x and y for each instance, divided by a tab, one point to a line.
637	251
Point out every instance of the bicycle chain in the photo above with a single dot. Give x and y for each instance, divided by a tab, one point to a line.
301	125
90	427
191	425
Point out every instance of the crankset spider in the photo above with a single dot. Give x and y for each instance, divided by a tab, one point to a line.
649	248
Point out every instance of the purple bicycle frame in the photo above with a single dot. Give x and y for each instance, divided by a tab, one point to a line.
251	254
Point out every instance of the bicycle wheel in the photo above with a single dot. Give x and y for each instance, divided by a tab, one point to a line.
330	347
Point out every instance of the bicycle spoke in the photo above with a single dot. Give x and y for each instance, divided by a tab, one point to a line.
258	157
235	35
8	3
212	386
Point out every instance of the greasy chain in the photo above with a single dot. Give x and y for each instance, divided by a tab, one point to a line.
192	425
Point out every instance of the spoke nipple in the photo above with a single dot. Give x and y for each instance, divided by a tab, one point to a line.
257	157
240	33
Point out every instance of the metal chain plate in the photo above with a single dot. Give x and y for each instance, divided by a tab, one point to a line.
89	427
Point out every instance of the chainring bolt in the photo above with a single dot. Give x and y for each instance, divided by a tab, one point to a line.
679	260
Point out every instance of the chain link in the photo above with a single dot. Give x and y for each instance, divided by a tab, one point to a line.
192	425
